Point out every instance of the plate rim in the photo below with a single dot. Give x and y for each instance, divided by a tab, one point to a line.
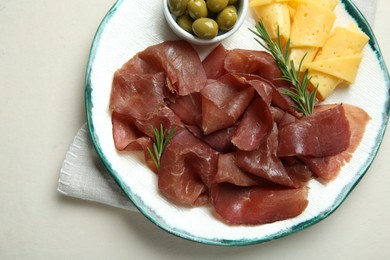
359	18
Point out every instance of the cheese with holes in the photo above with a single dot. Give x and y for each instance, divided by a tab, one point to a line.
325	82
328	4
312	25
297	54
345	67
273	16
343	41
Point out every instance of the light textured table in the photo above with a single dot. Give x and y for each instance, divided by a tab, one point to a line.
44	47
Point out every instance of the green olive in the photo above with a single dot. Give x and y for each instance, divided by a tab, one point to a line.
205	28
185	22
197	8
232	7
227	18
216	5
231	2
177	7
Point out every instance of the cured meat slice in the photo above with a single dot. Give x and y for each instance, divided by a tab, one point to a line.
281	101
188	108
187	168
144	93
229	172
322	134
328	168
254	62
256	205
220	140
254	127
126	135
299	173
264	162
213	64
223	102
181	64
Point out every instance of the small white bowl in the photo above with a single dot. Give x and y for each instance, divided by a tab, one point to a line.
242	11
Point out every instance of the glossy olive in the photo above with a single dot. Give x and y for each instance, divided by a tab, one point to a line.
205	28
227	18
231	2
197	8
185	22
217	5
177	7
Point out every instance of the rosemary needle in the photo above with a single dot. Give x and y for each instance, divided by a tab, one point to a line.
162	138
303	99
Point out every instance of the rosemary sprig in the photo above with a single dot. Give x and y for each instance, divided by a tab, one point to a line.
303	99
162	139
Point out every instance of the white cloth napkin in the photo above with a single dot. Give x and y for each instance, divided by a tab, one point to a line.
83	175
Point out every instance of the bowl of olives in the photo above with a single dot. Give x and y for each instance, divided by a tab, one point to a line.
203	22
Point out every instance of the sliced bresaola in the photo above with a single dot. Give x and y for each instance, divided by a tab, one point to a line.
223	102
188	108
181	64
264	162
256	205
321	134
187	169
254	127
213	64
137	95
126	135
220	140
229	172
254	62
328	168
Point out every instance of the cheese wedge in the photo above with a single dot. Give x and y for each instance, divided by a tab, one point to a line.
312	25
274	15
342	42
326	84
344	68
297	53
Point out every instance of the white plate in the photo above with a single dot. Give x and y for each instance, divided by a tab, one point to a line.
130	27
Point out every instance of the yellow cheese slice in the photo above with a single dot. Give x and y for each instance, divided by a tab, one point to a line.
326	84
341	42
297	53
312	25
292	11
344	68
274	15
328	4
254	3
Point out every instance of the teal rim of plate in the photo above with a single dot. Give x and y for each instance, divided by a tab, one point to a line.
362	23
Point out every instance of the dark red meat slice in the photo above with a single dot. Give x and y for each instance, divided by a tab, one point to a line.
254	62
220	140
137	95
254	127
229	172
223	102
181	64
126	135
264	162
188	108
256	205
299	173
187	169
213	64
322	134
328	168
